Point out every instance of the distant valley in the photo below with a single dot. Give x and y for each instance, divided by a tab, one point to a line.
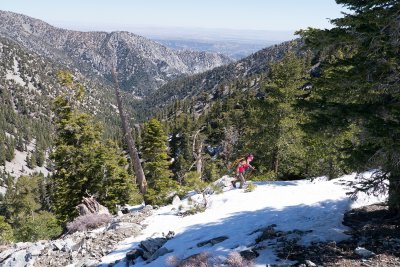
234	49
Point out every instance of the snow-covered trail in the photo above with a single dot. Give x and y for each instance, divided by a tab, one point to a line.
304	205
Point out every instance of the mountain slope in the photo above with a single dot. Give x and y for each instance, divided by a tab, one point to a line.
209	81
143	65
28	84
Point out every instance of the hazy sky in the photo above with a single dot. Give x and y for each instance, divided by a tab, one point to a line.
276	15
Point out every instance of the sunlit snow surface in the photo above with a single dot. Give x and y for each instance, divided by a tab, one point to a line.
317	205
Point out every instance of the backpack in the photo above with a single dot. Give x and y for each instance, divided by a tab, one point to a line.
233	165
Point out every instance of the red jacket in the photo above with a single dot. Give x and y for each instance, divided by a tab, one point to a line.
242	167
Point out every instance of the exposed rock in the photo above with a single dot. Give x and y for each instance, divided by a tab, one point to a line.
310	263
169	235
160	252
124	225
151	245
76	249
124	210
87	262
134	254
268	233
221	183
213	241
363	252
249	254
176	201
6	254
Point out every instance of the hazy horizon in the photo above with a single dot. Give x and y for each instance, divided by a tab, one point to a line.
253	20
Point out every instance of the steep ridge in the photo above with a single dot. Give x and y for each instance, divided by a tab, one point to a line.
28	84
255	64
143	65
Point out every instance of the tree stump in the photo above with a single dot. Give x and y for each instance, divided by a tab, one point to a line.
90	205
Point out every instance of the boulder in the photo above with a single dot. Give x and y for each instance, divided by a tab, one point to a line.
249	254
160	252
151	245
221	183
176	201
133	255
310	263
69	245
364	253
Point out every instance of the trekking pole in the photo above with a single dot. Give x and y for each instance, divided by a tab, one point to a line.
248	176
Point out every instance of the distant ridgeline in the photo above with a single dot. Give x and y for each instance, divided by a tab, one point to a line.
143	65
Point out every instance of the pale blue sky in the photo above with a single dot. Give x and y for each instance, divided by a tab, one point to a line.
275	15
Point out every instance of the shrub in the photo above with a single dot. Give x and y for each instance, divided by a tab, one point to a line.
42	225
88	222
193	210
193	182
250	187
265	176
6	233
235	260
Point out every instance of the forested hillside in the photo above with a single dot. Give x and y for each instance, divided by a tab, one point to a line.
28	86
216	81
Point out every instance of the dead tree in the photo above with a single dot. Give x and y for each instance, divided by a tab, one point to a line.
133	154
197	149
90	205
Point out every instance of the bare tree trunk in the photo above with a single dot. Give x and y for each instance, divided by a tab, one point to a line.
231	137
394	193
276	162
133	154
196	150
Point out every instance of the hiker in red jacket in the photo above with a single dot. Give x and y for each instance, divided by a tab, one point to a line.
241	169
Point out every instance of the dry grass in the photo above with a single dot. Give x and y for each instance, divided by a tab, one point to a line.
88	222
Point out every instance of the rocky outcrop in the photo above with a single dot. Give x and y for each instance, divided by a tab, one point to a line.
149	249
78	249
212	241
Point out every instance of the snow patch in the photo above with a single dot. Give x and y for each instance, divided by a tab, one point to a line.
317	205
18	166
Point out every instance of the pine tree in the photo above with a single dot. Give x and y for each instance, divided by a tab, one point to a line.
275	122
84	165
6	233
40	157
10	145
23	210
160	183
180	147
359	85
2	154
31	160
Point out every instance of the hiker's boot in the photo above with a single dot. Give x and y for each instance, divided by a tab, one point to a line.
234	184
